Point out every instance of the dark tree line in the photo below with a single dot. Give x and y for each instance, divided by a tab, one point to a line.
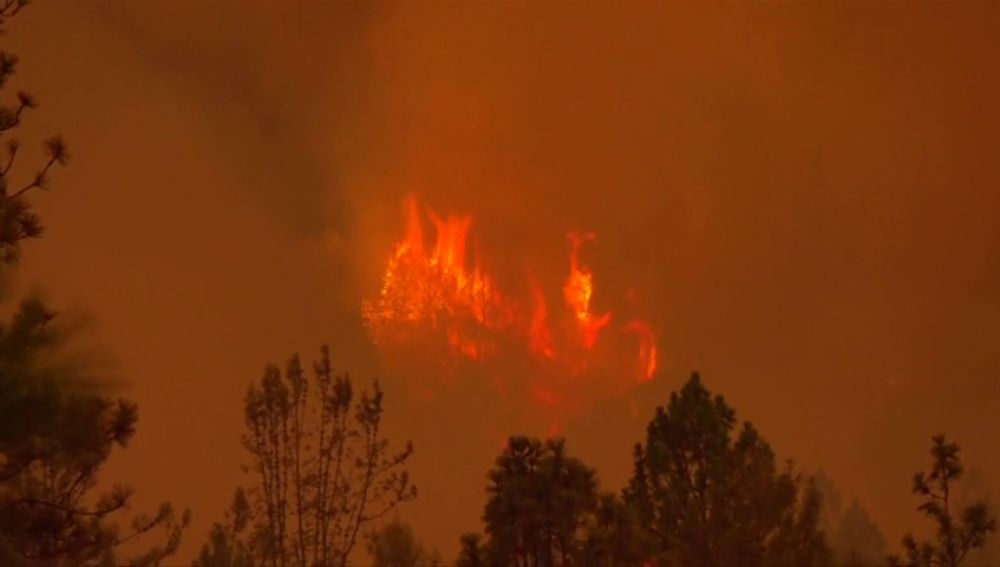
706	491
700	495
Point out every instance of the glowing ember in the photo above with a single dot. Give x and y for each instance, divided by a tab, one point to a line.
441	292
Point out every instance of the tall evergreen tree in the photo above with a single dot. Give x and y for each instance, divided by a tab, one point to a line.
540	502
616	538
710	498
544	510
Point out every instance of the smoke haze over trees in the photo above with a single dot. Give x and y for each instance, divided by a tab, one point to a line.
798	200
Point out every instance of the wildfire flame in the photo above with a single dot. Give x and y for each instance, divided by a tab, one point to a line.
540	337
578	289
647	347
445	291
436	288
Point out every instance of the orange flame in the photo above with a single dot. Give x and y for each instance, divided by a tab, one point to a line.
440	291
647	347
540	335
578	289
437	288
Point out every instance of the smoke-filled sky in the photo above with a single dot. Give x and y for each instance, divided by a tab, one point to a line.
804	199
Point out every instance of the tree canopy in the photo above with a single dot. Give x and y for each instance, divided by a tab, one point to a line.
323	471
58	426
710	494
957	534
544	510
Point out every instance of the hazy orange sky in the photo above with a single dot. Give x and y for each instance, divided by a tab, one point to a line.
805	197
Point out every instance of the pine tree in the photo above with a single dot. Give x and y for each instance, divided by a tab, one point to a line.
710	498
324	471
57	426
956	535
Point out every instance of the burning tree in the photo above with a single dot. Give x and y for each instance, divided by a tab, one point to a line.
323	468
439	301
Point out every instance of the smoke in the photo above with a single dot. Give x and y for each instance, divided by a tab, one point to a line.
800	199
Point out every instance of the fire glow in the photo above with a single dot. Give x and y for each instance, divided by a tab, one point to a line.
444	291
